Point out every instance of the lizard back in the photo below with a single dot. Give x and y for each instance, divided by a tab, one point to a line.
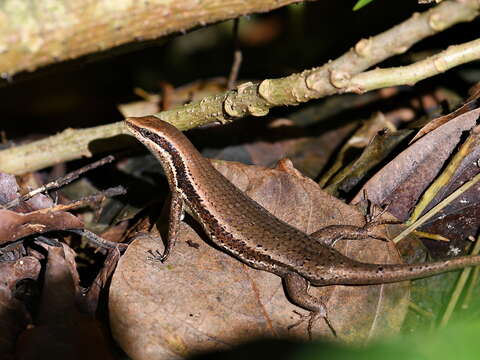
240	226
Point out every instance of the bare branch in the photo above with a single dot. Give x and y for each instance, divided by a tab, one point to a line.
61	181
98	241
68	145
257	98
237	58
88	200
411	74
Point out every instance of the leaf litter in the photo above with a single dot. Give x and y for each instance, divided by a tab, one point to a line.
202	299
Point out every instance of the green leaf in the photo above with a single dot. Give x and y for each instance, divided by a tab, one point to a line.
458	341
360	4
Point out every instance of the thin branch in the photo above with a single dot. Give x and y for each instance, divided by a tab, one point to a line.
97	240
444	178
237	57
411	74
68	145
467	300
257	98
458	288
95	198
61	181
433	211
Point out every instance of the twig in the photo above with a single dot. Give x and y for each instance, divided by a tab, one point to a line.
257	98
68	145
167	91
327	79
458	288
471	287
443	178
237	57
48	241
426	235
425	313
110	192
61	181
429	214
97	240
411	74
87	234
10	246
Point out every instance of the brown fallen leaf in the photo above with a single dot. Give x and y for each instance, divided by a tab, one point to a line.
377	150
309	153
89	303
60	330
14	317
14	226
309	150
205	299
401	182
406	178
23	222
471	104
459	219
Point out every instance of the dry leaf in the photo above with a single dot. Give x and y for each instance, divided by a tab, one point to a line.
205	299
464	211
89	304
401	182
14	315
8	188
15	226
471	104
61	331
376	151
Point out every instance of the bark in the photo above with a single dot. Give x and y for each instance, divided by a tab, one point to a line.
38	33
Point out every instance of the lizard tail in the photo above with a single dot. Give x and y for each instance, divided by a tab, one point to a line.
364	274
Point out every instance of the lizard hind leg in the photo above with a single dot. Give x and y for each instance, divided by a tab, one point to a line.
297	290
329	235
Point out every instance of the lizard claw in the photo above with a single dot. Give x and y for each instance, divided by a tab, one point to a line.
312	317
157	256
371	224
373	220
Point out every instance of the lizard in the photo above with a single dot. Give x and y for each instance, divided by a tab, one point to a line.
244	229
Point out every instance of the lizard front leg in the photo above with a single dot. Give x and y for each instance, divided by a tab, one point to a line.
176	215
297	289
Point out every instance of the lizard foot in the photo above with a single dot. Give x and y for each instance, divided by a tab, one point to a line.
156	256
372	221
371	225
312	317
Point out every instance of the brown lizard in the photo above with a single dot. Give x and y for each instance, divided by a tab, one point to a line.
247	231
